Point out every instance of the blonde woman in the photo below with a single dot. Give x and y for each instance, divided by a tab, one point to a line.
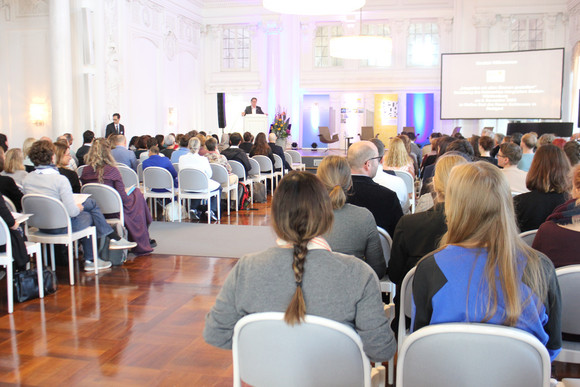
354	230
101	168
302	275
398	158
483	272
63	158
14	165
28	165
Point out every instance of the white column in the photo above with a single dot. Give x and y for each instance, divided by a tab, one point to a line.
61	67
272	28
482	25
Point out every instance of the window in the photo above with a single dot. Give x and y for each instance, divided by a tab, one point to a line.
423	44
322	56
378	29
527	33
236	48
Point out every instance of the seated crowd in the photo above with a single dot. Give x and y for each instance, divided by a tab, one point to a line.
471	265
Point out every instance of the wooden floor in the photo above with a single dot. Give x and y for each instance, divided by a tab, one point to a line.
139	324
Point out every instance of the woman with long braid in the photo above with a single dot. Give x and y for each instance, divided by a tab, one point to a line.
302	275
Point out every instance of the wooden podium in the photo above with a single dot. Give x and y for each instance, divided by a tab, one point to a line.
256	123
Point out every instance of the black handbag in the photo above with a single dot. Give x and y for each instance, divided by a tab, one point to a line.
26	284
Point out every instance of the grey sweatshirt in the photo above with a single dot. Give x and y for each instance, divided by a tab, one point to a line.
336	286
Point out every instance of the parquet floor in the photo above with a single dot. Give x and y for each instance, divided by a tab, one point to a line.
139	324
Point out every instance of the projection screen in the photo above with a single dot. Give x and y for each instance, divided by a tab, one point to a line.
514	84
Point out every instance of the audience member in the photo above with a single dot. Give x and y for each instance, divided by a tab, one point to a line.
62	154
151	142
485	145
121	154
363	158
261	148
13	165
429	170
8	187
398	158
224	143
155	160
414	148
498	140
559	236
390	180
19	253
233	152
182	150
545	139
142	146
202	148
407	143
101	168
483	272
429	148
159	138
462	146
354	231
549	184
418	234
508	158
195	161
214	157
133	143
264	282
248	143
168	145
278	150
572	150
88	137
69	138
46	180
474	141
559	142
528	144
28	165
516	138
4	142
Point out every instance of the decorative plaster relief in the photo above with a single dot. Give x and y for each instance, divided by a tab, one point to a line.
484	20
170	44
5	7
27	8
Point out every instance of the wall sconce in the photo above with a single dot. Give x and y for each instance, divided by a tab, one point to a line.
172	116
38	113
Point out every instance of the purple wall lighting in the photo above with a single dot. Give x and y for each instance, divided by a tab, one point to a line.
420	114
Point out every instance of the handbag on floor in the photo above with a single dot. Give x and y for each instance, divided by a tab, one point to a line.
171	212
26	284
259	192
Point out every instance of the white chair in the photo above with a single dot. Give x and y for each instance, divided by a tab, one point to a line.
475	355
80	170
6	261
529	236
157	178
140	172
50	213
297	164
220	174
128	175
569	281
318	352
239	170
266	168
194	184
278	164
405	306
108	199
410	183
288	159
176	167
9	204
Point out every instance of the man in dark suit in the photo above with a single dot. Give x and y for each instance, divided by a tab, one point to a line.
115	127
88	137
277	150
253	108
235	153
363	157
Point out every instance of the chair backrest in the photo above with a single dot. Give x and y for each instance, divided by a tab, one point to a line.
324	132
367	133
408	179
405	306
238	169
157	178
219	173
140	172
296	156
528	236
288	158
143	156
193	180
80	170
255	170
386	243
9	204
128	175
318	352
176	167
107	198
278	162
264	162
49	213
569	281
5	237
475	355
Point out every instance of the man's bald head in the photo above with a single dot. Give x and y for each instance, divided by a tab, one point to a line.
362	157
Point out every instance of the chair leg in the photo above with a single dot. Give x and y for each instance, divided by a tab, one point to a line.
228	199
39	273
252	194
219	212
237	201
95	251
9	288
209	209
52	257
44	254
71	273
